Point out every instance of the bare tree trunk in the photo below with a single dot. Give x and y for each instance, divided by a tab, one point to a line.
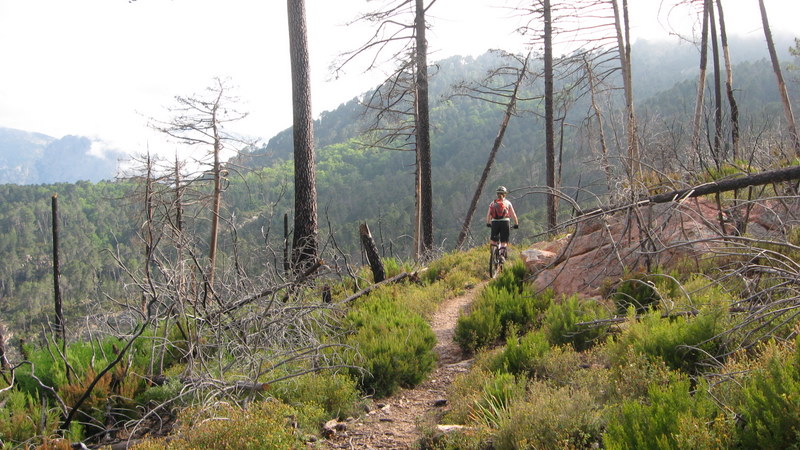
622	25
417	203
304	243
286	264
59	326
149	241
217	200
718	156
498	141
776	67
701	83
599	115
550	165
729	83
423	131
4	366
374	259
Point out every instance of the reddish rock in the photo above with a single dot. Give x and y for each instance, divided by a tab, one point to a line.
604	248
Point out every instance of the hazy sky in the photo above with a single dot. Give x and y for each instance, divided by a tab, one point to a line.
100	68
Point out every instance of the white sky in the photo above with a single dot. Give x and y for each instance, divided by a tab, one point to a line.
100	68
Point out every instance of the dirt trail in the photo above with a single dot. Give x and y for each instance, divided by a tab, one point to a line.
393	421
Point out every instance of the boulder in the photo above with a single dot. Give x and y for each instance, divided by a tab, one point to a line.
605	247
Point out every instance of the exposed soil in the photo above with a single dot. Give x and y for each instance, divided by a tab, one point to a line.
395	422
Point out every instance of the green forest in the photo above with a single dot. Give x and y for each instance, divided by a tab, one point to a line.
155	342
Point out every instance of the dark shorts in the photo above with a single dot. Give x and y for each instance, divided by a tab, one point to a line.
500	230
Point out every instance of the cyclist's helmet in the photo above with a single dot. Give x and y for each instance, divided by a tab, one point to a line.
502	190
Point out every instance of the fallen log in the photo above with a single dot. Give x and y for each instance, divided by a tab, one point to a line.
714	187
374	286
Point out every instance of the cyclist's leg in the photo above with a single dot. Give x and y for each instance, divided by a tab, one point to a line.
496	230
503	235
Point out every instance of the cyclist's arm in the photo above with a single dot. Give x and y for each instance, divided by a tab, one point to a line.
513	214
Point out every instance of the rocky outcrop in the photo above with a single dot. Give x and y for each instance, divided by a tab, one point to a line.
605	247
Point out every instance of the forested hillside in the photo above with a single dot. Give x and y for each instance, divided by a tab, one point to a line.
355	185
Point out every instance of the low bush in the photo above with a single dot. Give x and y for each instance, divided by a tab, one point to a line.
480	396
632	373
266	424
494	311
561	323
24	420
336	394
522	355
551	417
638	292
458	268
512	278
672	417
769	404
393	345
494	399
683	343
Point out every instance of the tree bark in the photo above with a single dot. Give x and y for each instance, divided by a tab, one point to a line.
304	242
550	157
217	200
701	82
374	259
4	366
372	287
719	158
286	262
598	113
59	326
423	132
623	44
776	67
729	83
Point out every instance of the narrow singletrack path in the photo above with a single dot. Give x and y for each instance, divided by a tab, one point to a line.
394	421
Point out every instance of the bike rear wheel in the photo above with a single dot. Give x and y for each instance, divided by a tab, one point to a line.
493	262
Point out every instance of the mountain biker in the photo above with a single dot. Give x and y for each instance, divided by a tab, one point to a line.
499	218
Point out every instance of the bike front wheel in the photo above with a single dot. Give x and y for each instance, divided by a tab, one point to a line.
493	262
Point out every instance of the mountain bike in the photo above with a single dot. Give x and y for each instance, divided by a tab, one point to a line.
497	257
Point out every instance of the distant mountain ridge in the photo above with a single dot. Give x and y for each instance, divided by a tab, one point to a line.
659	69
34	158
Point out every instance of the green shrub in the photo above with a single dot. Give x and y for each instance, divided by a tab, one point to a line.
480	396
266	424
770	401
24	419
336	394
632	373
393	267
682	342
673	417
638	292
494	311
394	345
167	392
561	322
512	278
480	328
523	355
495	397
551	417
